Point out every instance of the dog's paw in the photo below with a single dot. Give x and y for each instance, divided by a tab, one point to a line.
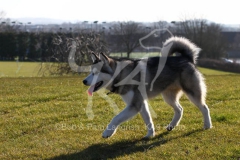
147	137
108	133
170	128
205	127
150	134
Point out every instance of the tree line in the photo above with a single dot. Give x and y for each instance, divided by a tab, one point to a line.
208	36
25	46
42	46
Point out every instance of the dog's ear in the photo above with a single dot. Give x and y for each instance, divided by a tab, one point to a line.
104	58
94	57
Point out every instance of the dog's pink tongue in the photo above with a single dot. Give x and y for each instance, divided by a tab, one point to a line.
90	90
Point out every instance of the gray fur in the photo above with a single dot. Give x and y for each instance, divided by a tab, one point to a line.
179	75
183	46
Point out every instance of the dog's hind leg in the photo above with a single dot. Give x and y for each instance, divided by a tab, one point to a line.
199	101
145	113
172	96
195	89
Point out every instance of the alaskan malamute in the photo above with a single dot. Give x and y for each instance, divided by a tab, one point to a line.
137	80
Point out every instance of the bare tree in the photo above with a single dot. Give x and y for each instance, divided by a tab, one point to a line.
128	35
192	29
9	26
61	46
213	43
161	24
206	35
161	36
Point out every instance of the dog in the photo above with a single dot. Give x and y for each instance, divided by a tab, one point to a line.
137	80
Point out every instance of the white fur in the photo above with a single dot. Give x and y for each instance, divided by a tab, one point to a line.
95	77
138	103
205	111
145	113
172	98
126	114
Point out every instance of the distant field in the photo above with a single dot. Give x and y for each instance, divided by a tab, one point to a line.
31	69
212	72
19	69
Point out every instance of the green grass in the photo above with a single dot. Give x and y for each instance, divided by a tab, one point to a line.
19	69
45	118
207	71
31	69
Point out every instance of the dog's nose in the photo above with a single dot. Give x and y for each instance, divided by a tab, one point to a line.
84	81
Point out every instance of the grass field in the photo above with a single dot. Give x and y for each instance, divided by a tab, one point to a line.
31	69
45	118
19	69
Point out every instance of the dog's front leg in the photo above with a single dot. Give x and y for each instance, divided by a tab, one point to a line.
134	105
145	113
126	114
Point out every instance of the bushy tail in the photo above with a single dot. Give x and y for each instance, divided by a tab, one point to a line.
183	46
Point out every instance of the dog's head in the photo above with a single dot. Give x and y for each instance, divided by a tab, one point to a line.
101	73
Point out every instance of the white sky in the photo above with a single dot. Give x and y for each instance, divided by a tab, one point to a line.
224	12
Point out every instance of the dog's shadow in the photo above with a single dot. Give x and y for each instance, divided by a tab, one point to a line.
105	151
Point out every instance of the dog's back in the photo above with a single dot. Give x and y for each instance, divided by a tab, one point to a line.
178	71
137	80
